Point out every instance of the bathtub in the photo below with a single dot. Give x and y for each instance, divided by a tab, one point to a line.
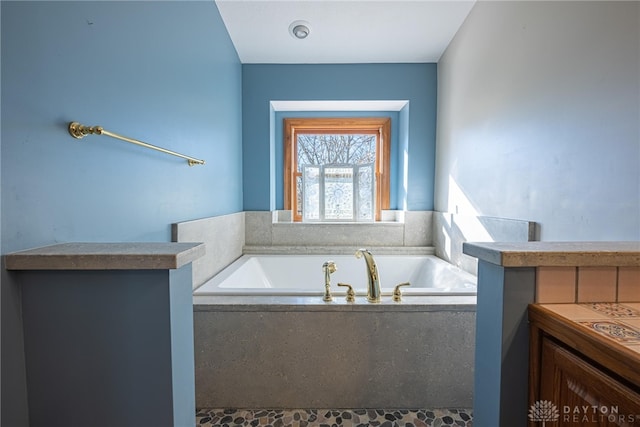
264	337
302	275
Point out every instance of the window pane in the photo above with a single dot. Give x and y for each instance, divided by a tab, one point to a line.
324	149
338	193
311	192
365	205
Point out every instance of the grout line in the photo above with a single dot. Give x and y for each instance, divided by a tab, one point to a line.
617	282
577	284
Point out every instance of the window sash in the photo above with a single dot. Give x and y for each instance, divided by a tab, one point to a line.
314	183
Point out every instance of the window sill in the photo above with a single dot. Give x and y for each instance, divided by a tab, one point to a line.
389	217
338	223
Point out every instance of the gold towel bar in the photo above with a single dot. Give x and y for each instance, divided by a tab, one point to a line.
79	131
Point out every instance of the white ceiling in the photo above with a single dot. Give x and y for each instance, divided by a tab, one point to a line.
360	31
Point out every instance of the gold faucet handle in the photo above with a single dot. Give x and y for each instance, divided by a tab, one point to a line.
351	295
397	294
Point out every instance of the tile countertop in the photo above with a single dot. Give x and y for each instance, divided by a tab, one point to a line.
533	254
106	256
607	332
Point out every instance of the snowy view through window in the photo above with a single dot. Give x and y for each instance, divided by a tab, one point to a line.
336	181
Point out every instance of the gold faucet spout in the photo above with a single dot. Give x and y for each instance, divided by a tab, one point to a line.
373	288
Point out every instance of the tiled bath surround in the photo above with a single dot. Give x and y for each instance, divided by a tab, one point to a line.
403	229
272	354
451	230
227	237
334	355
223	237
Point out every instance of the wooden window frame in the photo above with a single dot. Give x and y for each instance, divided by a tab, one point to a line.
379	126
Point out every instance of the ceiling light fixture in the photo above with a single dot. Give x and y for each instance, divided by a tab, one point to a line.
299	29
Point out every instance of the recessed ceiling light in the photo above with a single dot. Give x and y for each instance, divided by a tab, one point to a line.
299	29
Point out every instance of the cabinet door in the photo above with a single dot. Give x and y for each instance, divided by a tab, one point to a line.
582	394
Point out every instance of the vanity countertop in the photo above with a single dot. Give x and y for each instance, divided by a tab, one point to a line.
533	254
608	333
106	256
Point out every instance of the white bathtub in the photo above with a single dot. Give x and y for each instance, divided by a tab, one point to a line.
264	320
302	275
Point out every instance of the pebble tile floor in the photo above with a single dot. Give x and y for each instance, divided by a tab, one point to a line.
333	418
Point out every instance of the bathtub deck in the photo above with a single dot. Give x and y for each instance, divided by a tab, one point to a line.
333	417
203	303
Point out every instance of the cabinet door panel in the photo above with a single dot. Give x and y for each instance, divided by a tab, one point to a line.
583	394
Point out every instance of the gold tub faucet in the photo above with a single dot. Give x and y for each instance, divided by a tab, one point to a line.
373	290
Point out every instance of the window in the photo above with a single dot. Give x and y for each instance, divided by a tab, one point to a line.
336	169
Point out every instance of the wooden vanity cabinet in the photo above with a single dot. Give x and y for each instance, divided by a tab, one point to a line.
591	382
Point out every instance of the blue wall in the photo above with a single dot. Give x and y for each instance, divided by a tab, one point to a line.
162	72
261	84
